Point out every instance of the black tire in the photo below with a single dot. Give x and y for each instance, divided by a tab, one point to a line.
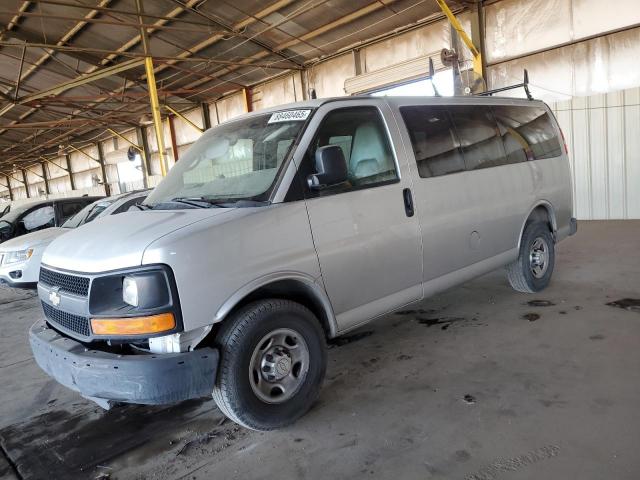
237	342
521	272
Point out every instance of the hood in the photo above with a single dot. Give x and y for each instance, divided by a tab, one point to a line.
119	241
33	239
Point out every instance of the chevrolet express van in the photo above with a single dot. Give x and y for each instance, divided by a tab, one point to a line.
283	228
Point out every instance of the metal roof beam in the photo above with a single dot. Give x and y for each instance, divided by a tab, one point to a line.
83	80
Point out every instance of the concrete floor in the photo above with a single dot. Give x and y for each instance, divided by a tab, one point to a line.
469	384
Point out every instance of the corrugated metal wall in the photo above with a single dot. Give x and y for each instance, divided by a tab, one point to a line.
603	137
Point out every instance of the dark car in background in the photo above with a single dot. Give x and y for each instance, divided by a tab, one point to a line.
34	216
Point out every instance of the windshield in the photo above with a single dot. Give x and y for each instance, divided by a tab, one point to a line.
15	212
88	213
232	162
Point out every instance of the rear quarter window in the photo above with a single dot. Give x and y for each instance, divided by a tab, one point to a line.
528	131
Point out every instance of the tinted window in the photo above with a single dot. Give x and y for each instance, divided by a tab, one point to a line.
434	141
69	209
479	136
527	132
361	134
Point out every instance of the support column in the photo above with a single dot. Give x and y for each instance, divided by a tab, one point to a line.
477	35
9	187
174	143
153	92
71	180
103	170
45	177
24	181
248	99
146	154
206	116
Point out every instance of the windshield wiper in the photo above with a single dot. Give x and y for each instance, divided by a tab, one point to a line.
142	206
198	202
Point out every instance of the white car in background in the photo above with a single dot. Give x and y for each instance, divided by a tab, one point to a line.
20	257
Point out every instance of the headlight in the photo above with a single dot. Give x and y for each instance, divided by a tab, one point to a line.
130	291
141	302
17	256
145	291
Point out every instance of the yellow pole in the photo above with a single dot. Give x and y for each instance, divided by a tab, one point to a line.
137	147
153	91
179	115
477	57
155	110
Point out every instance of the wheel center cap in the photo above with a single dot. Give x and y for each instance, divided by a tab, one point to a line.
283	366
276	364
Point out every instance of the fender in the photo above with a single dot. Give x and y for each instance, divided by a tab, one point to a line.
550	211
308	281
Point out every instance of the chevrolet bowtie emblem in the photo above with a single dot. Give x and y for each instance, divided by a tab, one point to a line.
54	298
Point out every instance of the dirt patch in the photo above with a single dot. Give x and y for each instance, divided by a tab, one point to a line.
63	444
444	322
631	304
340	341
540	303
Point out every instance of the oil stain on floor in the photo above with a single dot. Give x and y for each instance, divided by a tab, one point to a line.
631	304
63	444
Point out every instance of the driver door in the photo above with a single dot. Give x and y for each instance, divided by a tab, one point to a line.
367	239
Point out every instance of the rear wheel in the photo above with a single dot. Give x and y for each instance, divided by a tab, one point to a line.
272	363
531	272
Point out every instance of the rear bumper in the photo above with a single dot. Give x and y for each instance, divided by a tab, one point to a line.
145	379
573	226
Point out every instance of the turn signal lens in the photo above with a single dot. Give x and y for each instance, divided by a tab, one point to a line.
133	325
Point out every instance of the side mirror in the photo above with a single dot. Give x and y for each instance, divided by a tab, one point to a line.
331	167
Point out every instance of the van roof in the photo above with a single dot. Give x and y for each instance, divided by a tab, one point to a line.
399	101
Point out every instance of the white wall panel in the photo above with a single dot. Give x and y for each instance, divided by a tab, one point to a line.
603	137
282	90
56	167
591	17
185	133
517	27
632	152
327	78
415	43
230	107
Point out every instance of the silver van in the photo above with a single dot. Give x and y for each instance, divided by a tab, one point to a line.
286	227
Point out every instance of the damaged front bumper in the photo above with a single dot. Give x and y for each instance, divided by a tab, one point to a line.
104	377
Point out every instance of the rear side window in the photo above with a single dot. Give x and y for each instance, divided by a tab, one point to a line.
527	132
479	136
434	141
68	209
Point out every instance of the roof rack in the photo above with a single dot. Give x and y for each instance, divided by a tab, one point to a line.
524	84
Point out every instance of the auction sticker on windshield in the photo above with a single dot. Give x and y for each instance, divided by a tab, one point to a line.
289	116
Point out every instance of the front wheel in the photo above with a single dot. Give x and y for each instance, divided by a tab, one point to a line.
531	272
272	362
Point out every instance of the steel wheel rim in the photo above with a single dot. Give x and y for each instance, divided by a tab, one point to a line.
279	365
539	257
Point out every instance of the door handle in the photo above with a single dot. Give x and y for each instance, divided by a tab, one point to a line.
408	202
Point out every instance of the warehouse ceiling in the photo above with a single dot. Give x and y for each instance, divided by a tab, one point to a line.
201	50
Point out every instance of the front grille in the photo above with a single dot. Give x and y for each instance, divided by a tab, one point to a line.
73	323
68	283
